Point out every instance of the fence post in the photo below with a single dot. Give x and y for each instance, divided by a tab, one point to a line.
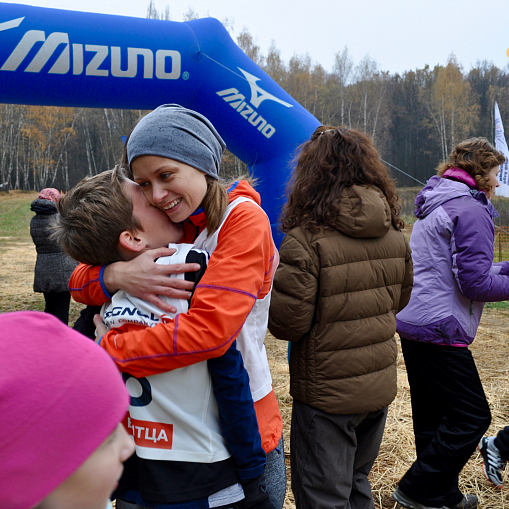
500	247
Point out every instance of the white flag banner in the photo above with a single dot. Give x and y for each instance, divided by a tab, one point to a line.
501	144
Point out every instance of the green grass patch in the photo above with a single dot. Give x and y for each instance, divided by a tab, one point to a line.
15	216
503	306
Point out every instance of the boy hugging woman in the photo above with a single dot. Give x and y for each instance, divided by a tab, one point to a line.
195	428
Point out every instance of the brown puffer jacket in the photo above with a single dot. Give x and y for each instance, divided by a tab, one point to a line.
336	293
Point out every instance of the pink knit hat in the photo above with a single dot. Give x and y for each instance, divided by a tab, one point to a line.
49	193
60	397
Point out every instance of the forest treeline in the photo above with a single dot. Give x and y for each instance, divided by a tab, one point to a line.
415	118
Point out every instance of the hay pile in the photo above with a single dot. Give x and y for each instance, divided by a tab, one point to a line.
491	352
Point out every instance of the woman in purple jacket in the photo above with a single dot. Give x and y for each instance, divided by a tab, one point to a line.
454	275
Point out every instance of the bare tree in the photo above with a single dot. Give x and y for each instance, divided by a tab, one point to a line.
152	12
274	65
190	14
228	23
247	44
365	72
450	105
341	74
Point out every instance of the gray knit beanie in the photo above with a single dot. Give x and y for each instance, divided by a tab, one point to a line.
175	132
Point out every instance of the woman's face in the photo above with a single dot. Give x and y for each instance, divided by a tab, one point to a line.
91	485
170	185
493	181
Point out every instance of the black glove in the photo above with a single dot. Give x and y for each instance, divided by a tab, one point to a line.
257	494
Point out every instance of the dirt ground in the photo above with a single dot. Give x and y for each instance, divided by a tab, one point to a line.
491	351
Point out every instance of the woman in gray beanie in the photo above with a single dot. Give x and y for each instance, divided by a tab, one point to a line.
174	154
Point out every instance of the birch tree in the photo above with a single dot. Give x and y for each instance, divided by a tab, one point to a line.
274	65
450	105
341	76
247	44
153	13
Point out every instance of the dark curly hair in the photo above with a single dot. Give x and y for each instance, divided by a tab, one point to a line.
476	156
334	158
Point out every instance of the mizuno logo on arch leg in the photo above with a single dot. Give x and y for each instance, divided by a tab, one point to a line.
61	66
258	95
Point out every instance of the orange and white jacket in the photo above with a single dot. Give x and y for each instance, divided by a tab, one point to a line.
230	302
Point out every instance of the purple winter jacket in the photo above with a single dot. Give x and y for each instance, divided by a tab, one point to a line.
454	274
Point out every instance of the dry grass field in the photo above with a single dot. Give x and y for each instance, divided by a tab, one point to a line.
491	351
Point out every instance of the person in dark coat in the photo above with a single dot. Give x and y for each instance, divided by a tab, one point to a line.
53	267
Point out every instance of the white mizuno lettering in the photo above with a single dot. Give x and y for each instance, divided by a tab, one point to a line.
77	58
62	65
22	49
166	64
237	101
161	56
101	52
132	62
6	25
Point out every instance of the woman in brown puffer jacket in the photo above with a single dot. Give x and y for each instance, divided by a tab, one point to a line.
345	271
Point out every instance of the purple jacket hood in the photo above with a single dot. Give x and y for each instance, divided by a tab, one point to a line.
454	274
440	190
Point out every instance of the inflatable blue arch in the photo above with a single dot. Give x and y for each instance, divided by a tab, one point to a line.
66	58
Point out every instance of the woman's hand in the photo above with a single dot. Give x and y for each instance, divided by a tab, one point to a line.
143	278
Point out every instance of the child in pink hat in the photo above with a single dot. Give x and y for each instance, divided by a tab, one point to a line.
61	400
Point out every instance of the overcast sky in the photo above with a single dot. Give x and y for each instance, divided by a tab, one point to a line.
399	34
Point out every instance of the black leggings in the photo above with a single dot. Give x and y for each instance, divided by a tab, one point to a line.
450	415
502	443
57	304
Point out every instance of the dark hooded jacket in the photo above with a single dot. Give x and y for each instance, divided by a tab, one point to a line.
53	267
336	294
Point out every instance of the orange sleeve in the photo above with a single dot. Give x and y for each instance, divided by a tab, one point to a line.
269	419
86	287
239	272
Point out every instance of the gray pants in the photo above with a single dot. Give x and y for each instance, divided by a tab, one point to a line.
331	457
275	473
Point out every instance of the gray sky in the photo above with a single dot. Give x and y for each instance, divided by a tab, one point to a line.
399	34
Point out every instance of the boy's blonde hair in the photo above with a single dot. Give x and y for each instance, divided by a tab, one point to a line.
91	217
